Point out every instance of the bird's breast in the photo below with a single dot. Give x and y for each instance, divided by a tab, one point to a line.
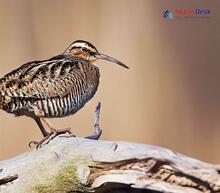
80	92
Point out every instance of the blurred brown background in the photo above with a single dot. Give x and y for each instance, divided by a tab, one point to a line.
169	97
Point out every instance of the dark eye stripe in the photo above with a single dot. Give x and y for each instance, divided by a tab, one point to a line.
75	47
83	48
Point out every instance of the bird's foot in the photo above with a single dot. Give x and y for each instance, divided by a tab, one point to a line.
54	133
97	132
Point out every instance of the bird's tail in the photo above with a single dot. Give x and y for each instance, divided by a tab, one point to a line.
4	100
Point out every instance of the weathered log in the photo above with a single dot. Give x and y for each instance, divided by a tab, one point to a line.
82	165
68	165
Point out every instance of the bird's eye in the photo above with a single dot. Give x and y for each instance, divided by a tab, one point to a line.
84	49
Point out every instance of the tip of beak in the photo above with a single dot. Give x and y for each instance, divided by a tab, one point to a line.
127	67
123	65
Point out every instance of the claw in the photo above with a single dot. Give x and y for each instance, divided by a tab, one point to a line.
49	137
32	143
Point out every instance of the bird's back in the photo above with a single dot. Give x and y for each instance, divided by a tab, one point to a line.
56	87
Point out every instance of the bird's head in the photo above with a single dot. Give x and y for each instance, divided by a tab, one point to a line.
84	50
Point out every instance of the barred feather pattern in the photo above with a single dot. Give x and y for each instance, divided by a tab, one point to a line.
51	88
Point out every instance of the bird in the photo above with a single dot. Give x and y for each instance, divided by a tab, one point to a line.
53	88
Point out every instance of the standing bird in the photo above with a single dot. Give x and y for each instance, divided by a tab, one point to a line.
56	87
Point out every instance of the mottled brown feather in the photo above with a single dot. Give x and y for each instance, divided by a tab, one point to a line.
40	88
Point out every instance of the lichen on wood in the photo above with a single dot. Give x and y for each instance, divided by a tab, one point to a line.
64	181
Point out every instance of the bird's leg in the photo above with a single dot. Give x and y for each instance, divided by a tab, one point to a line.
43	131
40	125
49	125
48	136
97	131
54	133
57	131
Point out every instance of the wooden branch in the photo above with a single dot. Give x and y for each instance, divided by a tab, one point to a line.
83	165
68	165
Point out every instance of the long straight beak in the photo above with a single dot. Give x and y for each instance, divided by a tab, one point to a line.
109	58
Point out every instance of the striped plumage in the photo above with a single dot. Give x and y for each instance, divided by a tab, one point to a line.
56	87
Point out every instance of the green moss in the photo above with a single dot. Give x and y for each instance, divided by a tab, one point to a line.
65	181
